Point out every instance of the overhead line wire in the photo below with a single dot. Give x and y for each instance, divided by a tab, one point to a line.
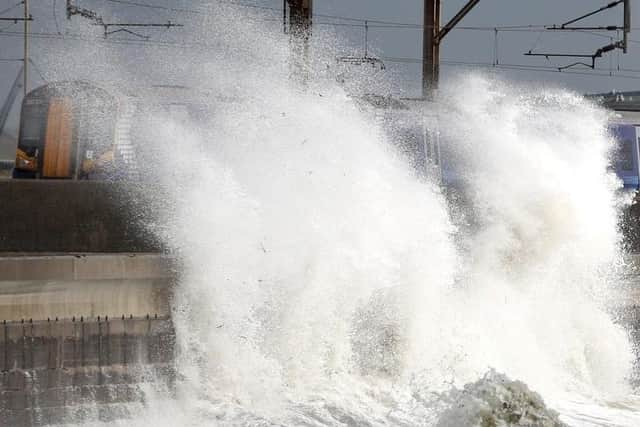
358	22
152	6
143	43
185	10
521	67
55	16
593	33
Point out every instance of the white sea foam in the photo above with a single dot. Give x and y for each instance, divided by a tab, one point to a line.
323	281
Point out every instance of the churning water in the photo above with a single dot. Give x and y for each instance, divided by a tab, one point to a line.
325	282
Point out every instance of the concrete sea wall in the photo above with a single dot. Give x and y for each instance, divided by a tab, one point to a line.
74	216
70	371
65	286
82	336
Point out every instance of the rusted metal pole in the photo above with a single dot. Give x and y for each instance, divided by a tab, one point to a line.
300	15
430	47
26	47
432	36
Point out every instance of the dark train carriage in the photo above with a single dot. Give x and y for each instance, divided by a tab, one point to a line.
67	131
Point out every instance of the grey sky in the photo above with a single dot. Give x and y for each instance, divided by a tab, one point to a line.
477	46
459	46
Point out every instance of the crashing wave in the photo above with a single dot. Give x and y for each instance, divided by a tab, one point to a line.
497	401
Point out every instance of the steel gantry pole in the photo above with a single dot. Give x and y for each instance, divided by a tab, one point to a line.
26	48
300	15
430	47
432	35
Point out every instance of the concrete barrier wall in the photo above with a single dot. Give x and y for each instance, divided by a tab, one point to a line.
83	333
73	216
42	300
85	267
66	286
82	342
81	369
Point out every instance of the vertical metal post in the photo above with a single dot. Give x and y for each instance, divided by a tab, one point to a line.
107	337
24	345
430	47
284	16
75	342
83	343
300	14
31	346
307	8
431	39
147	341
5	368
125	343
627	25
26	46
366	38
496	53
100	347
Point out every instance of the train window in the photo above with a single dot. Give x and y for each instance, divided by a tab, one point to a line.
34	117
31	128
624	157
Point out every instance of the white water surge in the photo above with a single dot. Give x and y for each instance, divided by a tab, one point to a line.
321	280
325	283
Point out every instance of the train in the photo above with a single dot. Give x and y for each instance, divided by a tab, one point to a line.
413	126
625	128
69	130
626	160
79	130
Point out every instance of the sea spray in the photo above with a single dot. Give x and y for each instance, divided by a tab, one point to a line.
545	237
301	230
314	258
323	281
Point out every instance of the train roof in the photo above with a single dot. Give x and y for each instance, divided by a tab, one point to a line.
150	95
70	88
626	117
618	101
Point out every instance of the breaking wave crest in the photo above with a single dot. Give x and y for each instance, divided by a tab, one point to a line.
325	282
